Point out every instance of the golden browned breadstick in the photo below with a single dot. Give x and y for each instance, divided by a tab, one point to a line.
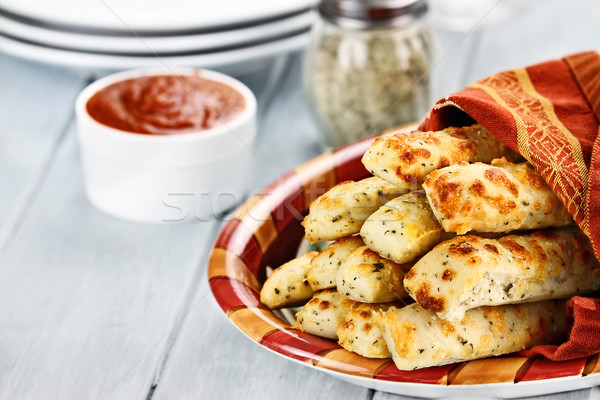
405	159
367	277
361	334
417	338
403	229
470	271
343	209
324	265
323	314
288	286
497	198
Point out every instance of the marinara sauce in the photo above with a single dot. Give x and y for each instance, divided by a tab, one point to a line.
165	104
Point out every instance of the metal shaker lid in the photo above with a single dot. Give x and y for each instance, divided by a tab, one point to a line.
371	13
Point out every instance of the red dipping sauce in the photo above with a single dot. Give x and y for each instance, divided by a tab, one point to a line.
165	104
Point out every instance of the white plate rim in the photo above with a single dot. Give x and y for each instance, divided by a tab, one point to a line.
154	44
100	62
121	15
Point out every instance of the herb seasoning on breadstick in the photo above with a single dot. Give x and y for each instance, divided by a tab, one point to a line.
324	266
288	286
359	332
405	159
343	209
367	277
403	229
417	338
497	198
323	314
470	271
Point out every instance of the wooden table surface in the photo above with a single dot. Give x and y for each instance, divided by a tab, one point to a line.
92	307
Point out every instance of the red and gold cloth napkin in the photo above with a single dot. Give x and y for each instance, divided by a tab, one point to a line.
550	113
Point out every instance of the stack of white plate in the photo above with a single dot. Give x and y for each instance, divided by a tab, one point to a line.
120	34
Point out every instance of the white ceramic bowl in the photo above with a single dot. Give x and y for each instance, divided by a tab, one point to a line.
166	178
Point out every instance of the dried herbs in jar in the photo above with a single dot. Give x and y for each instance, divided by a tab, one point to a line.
368	67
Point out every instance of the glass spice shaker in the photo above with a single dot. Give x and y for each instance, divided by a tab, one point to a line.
368	66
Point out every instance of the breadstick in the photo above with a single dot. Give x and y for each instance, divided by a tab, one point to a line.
470	271
498	198
359	332
324	265
367	277
403	229
405	159
323	314
417	338
288	286
342	210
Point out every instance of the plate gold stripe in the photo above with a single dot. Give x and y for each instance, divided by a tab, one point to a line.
487	370
592	366
225	263
317	176
255	213
342	360
256	322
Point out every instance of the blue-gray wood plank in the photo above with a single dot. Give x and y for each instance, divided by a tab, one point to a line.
35	108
